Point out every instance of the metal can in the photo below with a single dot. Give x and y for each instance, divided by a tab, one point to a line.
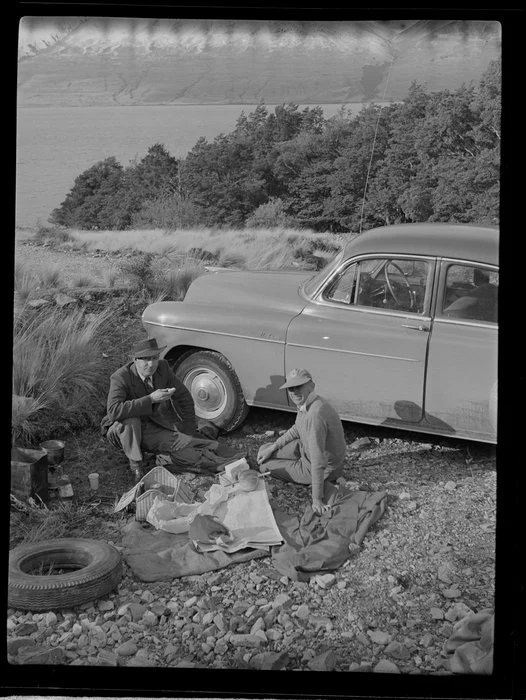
65	488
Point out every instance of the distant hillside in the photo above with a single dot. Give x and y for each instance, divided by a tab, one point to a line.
145	62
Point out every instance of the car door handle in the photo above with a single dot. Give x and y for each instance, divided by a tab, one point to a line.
420	327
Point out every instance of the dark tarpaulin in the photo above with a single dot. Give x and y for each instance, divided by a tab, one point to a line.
315	543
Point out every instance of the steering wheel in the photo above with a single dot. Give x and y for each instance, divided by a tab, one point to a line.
390	285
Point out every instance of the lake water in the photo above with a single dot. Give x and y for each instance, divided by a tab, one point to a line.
56	144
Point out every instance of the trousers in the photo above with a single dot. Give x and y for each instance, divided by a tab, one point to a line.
288	464
134	435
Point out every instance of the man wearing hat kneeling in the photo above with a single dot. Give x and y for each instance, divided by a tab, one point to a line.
148	408
313	450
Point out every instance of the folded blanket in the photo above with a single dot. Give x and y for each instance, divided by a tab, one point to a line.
324	542
156	555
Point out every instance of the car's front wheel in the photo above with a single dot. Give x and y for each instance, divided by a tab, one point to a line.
215	388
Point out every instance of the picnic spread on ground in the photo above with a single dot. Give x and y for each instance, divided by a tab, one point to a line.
174	535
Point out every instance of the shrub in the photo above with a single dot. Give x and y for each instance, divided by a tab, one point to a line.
57	371
272	214
167	212
52	234
138	268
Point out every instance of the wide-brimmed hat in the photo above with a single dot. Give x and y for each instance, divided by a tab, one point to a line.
297	377
146	348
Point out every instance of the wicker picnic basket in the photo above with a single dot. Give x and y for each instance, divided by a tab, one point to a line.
157	482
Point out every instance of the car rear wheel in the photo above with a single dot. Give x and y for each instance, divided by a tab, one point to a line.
215	388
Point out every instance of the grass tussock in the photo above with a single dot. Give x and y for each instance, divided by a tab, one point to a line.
34	524
24	282
57	369
49	276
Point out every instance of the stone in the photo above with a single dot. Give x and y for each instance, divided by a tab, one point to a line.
127	649
325	580
385	666
452	592
437	614
240	607
248	640
259	624
38	303
427	640
122	609
149	619
323	662
282	601
302	612
319	621
25	628
270	660
397	650
450	486
360	444
219	621
457	611
404	495
41	656
13	645
191	601
147	597
107	658
137	611
445	572
308	654
50	619
64	299
160	609
106	605
269	433
271	573
274	634
379	637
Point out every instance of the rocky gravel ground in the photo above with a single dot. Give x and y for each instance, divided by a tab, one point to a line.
424	565
427	562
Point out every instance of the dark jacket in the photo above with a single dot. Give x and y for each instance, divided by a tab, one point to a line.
129	398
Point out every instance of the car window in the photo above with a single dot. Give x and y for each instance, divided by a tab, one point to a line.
471	293
385	283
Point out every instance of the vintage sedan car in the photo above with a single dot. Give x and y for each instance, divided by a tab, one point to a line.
399	329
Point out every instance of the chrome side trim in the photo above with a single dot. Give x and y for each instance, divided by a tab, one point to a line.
352	352
466	322
201	330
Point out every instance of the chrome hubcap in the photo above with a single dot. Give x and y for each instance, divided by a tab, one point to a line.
208	392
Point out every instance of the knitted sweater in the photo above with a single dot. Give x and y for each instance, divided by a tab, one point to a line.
322	441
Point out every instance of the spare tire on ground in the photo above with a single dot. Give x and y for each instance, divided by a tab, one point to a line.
61	573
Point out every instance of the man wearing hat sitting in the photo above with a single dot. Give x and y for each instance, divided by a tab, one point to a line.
313	450
148	408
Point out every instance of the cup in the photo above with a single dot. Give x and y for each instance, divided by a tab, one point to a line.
93	481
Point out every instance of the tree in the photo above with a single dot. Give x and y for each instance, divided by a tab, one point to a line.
90	196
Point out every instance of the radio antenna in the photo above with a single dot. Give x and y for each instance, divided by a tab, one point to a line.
374	141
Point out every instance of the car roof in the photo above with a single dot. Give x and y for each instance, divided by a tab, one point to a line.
462	241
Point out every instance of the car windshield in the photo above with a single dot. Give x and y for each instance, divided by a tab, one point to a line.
312	284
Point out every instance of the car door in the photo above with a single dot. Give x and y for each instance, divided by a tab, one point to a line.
364	337
461	388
